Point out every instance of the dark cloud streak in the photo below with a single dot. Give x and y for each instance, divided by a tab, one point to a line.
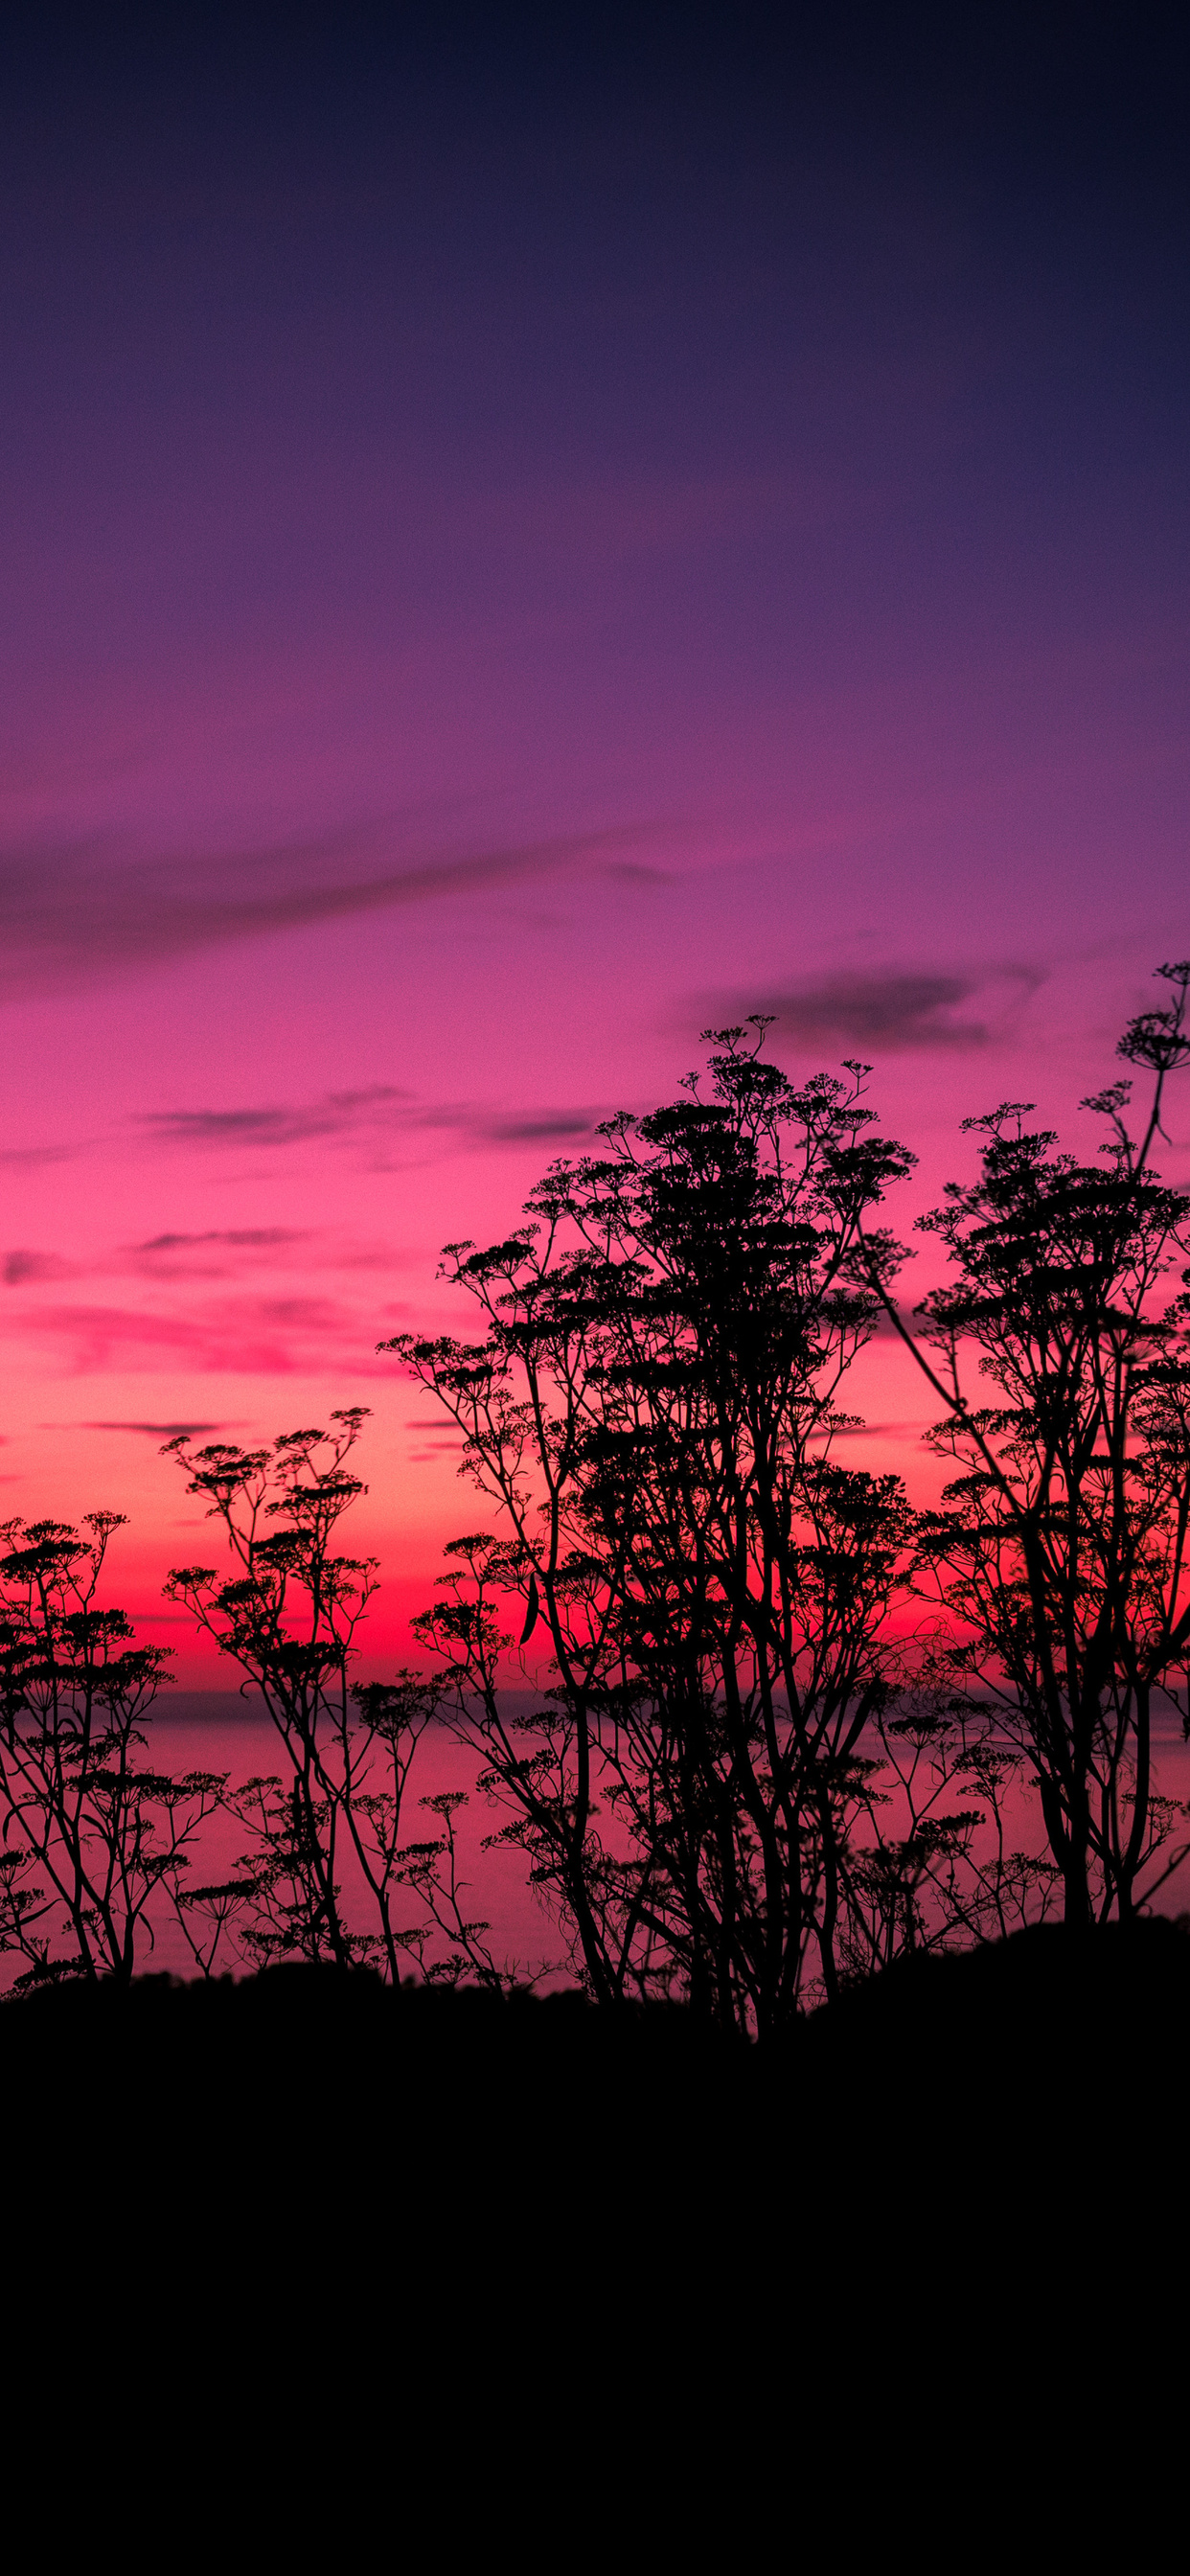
76	912
247	1238
157	1430
340	1113
890	1013
351	1113
24	1269
531	1127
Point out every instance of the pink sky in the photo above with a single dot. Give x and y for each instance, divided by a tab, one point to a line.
495	583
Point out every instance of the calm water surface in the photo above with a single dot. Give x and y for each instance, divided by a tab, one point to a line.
216	1731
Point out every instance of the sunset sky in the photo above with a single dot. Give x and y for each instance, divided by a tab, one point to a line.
517	546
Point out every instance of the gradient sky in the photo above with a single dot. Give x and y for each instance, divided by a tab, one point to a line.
516	546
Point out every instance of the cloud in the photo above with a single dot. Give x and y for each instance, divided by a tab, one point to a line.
218	1253
251	1238
543	1130
336	1115
348	1113
25	1269
248	1336
33	1157
76	912
873	1430
890	1013
157	1430
524	1127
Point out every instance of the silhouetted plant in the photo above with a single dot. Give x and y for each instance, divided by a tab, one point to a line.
651	1408
744	1782
929	1873
1061	1555
433	1868
90	1836
209	1918
288	1617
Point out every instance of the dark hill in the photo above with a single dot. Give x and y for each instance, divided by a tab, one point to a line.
1043	2027
301	2137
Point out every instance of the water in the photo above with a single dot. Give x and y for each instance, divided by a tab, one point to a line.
212	1731
217	1731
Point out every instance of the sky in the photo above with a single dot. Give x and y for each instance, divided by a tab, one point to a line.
522	541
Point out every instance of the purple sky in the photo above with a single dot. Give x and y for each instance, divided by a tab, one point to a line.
514	551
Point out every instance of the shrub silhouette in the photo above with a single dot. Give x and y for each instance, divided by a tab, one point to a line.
652	1409
720	1789
91	1834
756	1768
1060	1559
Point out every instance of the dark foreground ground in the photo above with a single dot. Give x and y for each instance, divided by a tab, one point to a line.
468	2227
297	2093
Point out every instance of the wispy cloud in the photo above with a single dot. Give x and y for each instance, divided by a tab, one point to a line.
28	1269
514	1127
246	1336
226	1253
158	1430
352	1113
75	912
338	1114
892	1012
33	1157
237	1238
873	1430
221	1252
